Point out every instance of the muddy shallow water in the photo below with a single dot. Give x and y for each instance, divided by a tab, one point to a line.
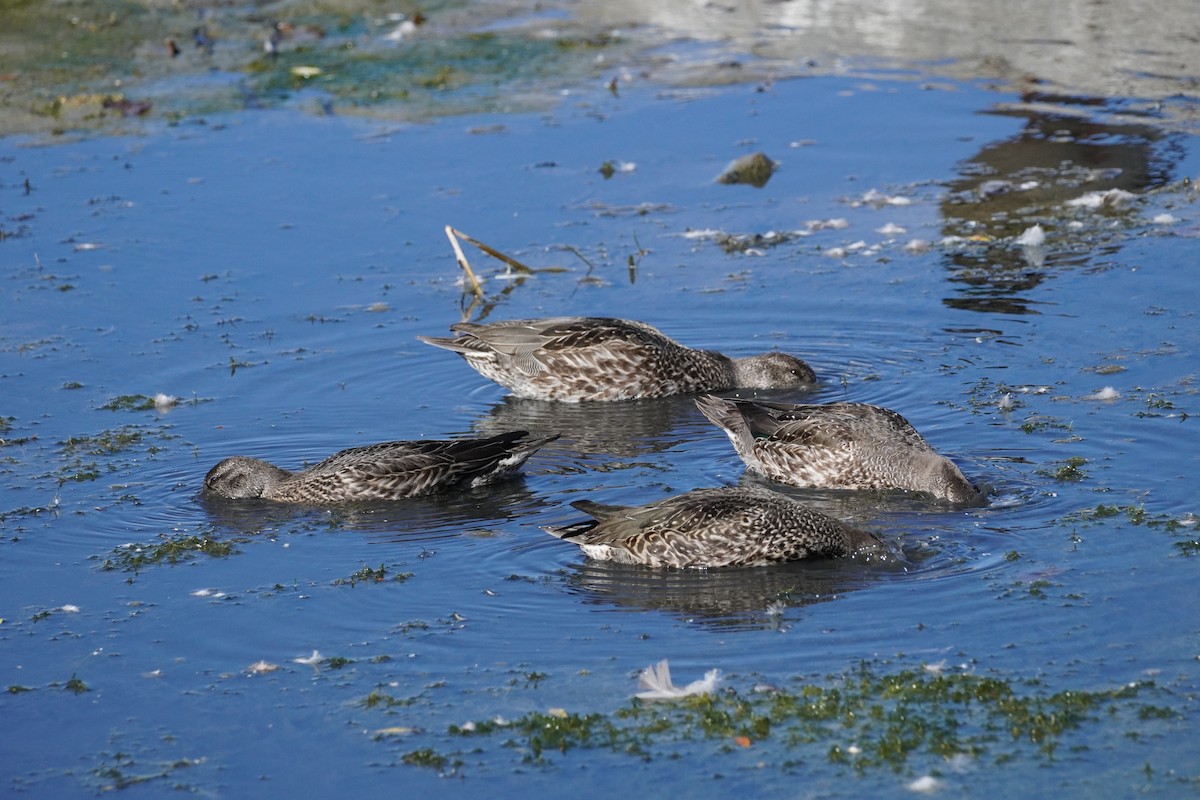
270	271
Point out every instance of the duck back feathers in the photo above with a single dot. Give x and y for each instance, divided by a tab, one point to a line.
836	445
385	471
576	359
725	527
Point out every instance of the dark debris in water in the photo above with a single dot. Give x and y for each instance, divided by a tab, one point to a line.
754	170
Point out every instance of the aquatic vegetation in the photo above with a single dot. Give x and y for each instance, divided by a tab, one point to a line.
1137	515
1134	514
1043	423
381	699
101	65
1069	471
1188	547
554	730
104	443
125	772
171	549
76	685
866	719
81	452
370	575
426	757
1035	589
141	402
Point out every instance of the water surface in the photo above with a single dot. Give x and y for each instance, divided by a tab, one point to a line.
271	270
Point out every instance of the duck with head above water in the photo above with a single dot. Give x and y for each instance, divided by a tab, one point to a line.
725	527
836	446
575	359
386	471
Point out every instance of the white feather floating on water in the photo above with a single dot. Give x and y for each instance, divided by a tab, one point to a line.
1113	198
1107	393
926	784
655	680
310	661
1033	236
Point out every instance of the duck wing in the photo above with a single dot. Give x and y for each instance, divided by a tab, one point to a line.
529	344
392	470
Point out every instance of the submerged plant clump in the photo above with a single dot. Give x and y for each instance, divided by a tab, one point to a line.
171	549
863	720
81	453
372	575
1069	471
124	772
1137	515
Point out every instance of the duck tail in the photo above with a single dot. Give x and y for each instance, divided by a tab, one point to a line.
569	532
487	460
460	345
599	512
727	416
514	448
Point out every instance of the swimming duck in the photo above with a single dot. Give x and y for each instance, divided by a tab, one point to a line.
836	446
574	359
386	471
726	527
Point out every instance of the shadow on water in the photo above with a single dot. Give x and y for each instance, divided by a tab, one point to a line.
1034	178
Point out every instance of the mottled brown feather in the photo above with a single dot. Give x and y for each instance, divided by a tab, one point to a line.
385	471
575	359
836	446
725	527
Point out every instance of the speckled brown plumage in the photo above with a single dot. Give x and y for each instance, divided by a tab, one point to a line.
386	471
836	446
726	527
577	359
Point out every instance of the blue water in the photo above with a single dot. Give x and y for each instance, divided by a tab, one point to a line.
271	270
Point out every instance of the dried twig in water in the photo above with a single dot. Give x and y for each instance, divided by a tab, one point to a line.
476	289
462	260
491	251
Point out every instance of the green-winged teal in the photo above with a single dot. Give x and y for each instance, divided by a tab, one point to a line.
386	471
836	446
726	527
575	359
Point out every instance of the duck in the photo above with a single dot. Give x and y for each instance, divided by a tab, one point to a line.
384	471
836	446
716	527
578	359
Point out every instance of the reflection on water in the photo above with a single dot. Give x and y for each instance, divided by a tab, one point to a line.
1030	179
732	598
429	517
619	429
